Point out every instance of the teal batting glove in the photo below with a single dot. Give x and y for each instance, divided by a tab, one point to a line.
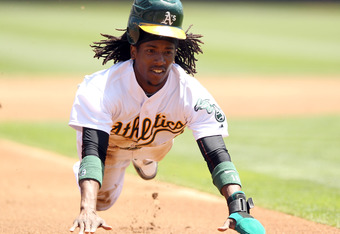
239	211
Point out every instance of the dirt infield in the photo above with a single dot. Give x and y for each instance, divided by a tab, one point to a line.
39	193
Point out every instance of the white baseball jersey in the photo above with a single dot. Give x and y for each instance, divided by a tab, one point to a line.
111	100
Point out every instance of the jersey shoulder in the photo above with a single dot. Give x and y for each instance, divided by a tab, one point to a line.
185	79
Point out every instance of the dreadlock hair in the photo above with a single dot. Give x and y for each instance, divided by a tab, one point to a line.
118	50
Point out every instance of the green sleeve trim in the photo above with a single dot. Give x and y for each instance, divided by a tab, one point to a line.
225	173
91	167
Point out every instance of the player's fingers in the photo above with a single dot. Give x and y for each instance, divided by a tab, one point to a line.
102	225
74	226
88	226
225	226
106	226
93	229
81	228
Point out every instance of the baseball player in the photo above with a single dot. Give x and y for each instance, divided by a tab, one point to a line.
132	111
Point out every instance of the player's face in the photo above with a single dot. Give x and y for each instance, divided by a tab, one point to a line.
152	62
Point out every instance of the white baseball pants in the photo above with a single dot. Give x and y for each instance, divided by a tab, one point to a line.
117	160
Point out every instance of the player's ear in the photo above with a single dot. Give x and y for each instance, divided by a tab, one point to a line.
133	51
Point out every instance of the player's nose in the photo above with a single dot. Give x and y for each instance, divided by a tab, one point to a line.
160	59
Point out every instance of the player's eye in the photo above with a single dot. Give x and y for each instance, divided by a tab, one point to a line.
150	51
169	52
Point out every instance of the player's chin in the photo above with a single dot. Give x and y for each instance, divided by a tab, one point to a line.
157	77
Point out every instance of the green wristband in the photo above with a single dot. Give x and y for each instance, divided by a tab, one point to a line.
91	167
225	173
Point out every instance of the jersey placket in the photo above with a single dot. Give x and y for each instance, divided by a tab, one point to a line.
147	119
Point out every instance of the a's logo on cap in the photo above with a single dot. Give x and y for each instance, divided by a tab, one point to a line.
169	19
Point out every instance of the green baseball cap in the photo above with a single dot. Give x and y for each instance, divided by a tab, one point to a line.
157	17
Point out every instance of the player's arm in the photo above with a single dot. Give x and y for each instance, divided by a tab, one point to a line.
94	147
226	179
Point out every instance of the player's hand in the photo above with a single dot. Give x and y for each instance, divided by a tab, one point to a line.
243	223
88	222
230	223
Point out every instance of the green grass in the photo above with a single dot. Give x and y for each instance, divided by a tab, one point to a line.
53	136
54	37
290	165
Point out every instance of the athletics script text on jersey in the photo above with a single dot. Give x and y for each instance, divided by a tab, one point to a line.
149	128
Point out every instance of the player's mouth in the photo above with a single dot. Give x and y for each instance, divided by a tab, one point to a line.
158	70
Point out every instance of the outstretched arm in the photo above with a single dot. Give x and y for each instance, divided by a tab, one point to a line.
227	191
88	221
91	173
226	179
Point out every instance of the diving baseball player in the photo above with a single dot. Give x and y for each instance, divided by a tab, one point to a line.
132	111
